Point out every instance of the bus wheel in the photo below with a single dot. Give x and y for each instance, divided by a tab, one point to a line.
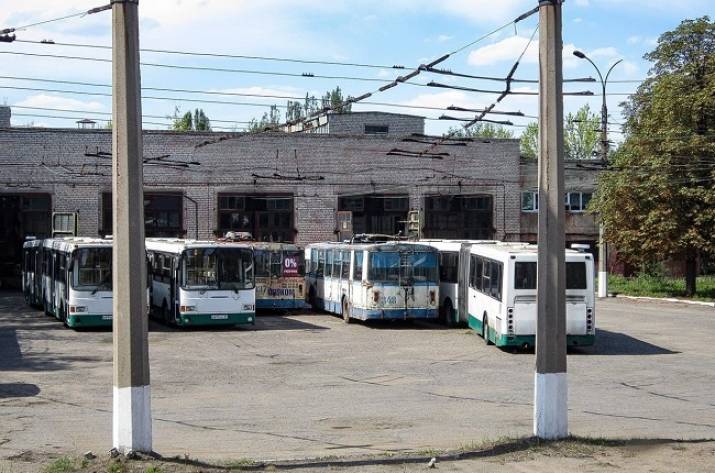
485	330
448	319
346	311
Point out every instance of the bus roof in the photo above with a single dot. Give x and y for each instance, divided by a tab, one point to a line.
390	246
502	250
453	245
69	244
275	246
176	245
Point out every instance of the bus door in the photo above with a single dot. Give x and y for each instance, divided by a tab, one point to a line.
463	281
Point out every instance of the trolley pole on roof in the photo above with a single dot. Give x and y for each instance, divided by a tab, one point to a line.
550	385
132	406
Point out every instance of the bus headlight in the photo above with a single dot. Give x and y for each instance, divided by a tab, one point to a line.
510	320
589	320
76	309
187	308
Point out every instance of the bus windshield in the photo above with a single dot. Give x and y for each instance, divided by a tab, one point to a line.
92	269
403	268
217	268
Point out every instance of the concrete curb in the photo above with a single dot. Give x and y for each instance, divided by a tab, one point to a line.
667	299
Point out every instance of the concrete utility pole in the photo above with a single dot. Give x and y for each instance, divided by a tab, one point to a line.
602	245
550	386
132	406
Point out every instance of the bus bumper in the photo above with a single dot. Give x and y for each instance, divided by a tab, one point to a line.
280	304
191	319
89	320
393	314
530	340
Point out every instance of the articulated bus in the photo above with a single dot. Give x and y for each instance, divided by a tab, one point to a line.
280	276
393	280
76	282
32	272
448	280
202	282
497	294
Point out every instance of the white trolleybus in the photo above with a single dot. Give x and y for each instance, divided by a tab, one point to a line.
448	277
76	284
497	294
280	276
393	280
32	272
198	283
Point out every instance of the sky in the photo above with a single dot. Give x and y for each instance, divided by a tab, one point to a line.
379	33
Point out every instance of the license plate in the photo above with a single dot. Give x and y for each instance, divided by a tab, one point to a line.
219	317
106	317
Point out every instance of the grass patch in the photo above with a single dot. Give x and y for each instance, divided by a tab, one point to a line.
62	465
661	286
153	469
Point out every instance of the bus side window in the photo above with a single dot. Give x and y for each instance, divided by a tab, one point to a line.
357	273
495	288
337	263
346	265
320	269
329	263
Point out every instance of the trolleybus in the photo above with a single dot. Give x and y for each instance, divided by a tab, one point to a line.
76	284
497	294
448	280
202	282
393	280
32	272
280	276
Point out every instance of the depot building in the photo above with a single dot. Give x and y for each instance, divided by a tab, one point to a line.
359	172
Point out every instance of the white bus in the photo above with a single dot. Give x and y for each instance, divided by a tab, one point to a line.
202	282
77	281
448	280
394	280
32	272
497	294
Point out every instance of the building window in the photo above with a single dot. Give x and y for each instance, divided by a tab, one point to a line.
530	201
163	215
266	218
395	204
376	129
459	216
577	201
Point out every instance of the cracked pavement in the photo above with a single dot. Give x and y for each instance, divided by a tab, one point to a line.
308	385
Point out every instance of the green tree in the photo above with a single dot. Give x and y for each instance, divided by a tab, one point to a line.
481	130
270	119
529	141
580	135
198	121
335	100
658	200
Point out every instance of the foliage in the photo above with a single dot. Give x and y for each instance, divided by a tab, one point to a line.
270	119
62	465
660	286
482	130
580	135
198	121
658	200
296	110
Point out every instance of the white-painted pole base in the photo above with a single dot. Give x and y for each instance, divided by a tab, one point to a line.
550	406
602	284
132	419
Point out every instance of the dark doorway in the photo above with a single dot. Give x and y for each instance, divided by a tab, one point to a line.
266	217
459	217
21	215
377	213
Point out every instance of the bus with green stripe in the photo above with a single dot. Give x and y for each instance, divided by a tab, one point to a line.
395	280
201	283
497	294
76	285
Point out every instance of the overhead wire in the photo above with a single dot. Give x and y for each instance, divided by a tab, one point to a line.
52	20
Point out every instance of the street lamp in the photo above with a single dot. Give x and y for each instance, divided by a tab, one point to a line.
602	248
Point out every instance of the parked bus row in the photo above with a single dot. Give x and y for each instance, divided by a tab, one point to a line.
488	286
189	282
